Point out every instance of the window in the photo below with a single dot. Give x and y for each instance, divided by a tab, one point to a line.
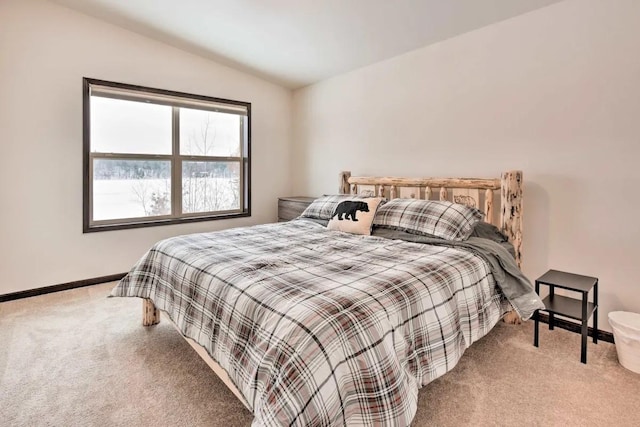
154	157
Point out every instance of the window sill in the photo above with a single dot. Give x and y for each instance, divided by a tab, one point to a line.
154	223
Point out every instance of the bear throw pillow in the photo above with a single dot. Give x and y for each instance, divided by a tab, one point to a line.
355	216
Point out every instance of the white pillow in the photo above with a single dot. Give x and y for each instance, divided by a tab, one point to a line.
355	215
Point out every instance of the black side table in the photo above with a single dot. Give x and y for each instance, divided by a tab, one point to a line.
578	309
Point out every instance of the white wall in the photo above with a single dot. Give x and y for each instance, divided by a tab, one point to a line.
555	92
45	50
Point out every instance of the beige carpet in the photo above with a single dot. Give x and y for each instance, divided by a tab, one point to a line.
76	358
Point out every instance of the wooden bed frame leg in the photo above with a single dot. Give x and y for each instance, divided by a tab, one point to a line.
150	314
512	318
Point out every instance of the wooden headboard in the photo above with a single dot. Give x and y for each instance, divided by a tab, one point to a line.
475	192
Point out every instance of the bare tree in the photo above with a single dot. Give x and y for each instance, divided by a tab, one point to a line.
141	190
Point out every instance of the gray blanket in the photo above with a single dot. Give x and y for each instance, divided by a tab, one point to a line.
515	286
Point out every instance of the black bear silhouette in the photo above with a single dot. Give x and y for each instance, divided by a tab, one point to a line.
349	208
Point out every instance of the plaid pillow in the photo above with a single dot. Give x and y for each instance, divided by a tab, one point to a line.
441	219
324	207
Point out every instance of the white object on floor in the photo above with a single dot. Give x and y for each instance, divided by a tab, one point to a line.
626	332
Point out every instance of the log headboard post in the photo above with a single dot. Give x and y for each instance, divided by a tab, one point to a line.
511	214
345	187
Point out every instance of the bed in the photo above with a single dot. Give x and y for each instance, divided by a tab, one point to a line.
314	327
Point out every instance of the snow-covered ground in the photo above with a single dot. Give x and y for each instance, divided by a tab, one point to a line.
131	198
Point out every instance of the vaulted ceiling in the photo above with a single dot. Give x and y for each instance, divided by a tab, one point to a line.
299	42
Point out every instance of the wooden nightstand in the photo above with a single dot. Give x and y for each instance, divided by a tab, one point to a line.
291	207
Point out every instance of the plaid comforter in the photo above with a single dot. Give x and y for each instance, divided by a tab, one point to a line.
318	327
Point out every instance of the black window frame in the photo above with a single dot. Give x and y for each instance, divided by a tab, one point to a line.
126	223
